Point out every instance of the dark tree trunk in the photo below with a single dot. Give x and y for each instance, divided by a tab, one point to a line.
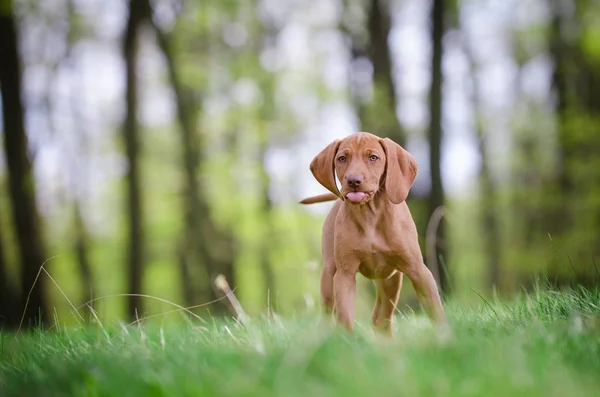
206	250
379	25
575	83
9	301
558	216
436	196
138	12
20	175
81	251
377	115
560	51
192	254
190	293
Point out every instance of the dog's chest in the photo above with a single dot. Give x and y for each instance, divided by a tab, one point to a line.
375	255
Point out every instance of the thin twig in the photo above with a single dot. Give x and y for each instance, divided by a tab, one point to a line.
153	297
177	310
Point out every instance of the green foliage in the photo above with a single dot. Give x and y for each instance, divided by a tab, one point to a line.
240	110
544	344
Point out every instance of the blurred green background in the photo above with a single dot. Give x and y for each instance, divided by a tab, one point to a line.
149	146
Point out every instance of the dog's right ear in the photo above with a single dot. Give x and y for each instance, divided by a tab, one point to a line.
401	171
323	167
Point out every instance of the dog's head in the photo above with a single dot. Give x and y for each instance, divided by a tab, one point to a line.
365	164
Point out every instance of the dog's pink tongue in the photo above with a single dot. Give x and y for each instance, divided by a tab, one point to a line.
355	197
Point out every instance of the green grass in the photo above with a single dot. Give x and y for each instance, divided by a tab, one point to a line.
544	344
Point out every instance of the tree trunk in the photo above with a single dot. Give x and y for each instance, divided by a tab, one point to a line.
206	250
190	293
559	218
378	114
20	175
9	301
79	169
379	25
559	51
81	251
436	196
487	189
575	82
192	254
138	12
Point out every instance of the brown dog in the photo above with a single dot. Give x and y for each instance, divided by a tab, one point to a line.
370	229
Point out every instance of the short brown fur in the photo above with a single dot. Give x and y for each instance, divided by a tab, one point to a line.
376	237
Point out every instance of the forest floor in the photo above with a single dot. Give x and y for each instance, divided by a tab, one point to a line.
543	344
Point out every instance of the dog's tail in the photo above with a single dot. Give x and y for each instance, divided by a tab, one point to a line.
319	199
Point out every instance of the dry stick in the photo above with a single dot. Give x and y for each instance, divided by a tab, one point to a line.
222	284
31	290
430	242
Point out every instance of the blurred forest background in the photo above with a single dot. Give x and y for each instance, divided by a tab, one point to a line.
150	145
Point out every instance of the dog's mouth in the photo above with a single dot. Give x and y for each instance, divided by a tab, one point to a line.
358	197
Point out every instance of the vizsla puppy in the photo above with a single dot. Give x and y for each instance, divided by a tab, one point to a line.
370	229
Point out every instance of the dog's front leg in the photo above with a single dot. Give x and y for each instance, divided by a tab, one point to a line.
344	285
427	292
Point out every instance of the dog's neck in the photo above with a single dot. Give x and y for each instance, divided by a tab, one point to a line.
371	212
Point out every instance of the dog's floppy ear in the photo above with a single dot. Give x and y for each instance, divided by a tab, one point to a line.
322	167
401	171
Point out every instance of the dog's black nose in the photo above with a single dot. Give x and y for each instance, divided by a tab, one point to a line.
354	180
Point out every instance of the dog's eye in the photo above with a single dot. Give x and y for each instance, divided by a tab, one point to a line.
342	159
373	158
